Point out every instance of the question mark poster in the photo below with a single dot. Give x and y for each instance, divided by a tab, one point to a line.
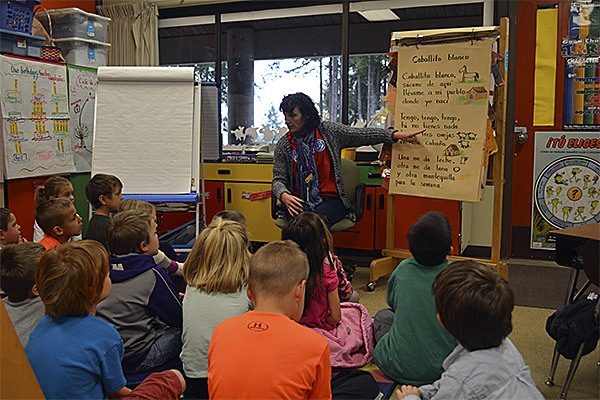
566	189
35	118
82	102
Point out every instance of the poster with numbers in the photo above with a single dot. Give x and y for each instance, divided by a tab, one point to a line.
35	118
82	101
566	180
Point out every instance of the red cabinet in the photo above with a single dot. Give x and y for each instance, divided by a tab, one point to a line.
214	197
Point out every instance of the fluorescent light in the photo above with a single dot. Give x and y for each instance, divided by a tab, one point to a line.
379	15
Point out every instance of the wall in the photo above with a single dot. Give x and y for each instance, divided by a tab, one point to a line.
522	177
19	192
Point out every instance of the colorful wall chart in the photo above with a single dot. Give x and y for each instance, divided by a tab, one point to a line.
581	107
566	189
35	118
443	89
82	101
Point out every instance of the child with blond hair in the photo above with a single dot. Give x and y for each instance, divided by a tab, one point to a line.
55	187
216	272
74	354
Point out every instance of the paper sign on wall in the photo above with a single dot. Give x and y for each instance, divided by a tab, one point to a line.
35	118
443	89
82	100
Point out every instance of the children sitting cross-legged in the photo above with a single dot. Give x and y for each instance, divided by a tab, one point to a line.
347	326
172	266
10	230
75	355
103	192
17	279
410	343
264	353
216	272
59	220
55	187
144	303
475	305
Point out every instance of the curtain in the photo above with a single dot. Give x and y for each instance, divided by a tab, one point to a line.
132	33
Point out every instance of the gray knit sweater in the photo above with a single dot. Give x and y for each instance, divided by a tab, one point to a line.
337	137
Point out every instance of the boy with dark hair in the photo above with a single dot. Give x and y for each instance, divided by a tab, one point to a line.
17	279
59	220
10	230
411	344
475	305
104	194
74	354
144	304
294	361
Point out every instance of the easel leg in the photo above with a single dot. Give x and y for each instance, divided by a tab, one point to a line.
379	268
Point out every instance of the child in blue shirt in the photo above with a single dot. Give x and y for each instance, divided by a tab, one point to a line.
74	354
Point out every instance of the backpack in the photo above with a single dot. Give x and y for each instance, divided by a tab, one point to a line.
575	324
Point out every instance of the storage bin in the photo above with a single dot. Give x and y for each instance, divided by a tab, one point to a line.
20	44
83	52
73	22
17	15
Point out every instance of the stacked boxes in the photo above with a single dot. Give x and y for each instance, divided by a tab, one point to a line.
80	35
15	28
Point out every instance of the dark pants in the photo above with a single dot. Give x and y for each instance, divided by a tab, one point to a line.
331	210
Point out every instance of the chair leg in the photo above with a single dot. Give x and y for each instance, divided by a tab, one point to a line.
555	357
571	373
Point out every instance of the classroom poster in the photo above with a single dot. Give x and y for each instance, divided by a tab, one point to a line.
444	90
566	188
82	100
35	118
581	107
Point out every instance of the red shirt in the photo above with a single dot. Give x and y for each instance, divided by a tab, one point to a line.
327	186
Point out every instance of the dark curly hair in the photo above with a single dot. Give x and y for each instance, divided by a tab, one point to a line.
306	107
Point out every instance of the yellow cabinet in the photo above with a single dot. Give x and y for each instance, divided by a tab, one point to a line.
247	189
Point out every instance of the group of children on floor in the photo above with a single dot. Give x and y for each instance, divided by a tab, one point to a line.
90	313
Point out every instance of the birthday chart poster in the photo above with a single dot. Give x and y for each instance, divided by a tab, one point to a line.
35	118
82	101
444	90
566	190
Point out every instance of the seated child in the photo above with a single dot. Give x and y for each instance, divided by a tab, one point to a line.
216	272
59	220
173	267
75	355
264	353
55	187
17	279
475	305
144	303
413	348
232	215
10	231
104	194
322	303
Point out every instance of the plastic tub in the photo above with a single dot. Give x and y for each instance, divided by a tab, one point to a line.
86	53
20	44
17	15
73	22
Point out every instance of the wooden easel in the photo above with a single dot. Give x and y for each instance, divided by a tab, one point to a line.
384	266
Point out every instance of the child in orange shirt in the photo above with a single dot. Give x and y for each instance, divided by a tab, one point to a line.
59	220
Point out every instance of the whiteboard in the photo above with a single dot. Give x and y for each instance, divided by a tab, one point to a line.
144	128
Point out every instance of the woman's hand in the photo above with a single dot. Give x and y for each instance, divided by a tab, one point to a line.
407	136
406	390
292	203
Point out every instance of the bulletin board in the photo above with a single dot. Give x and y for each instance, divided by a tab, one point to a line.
82	102
35	118
444	90
144	128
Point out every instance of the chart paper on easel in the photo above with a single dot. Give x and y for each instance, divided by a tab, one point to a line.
444	89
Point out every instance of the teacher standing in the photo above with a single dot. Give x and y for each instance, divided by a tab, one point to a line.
307	167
